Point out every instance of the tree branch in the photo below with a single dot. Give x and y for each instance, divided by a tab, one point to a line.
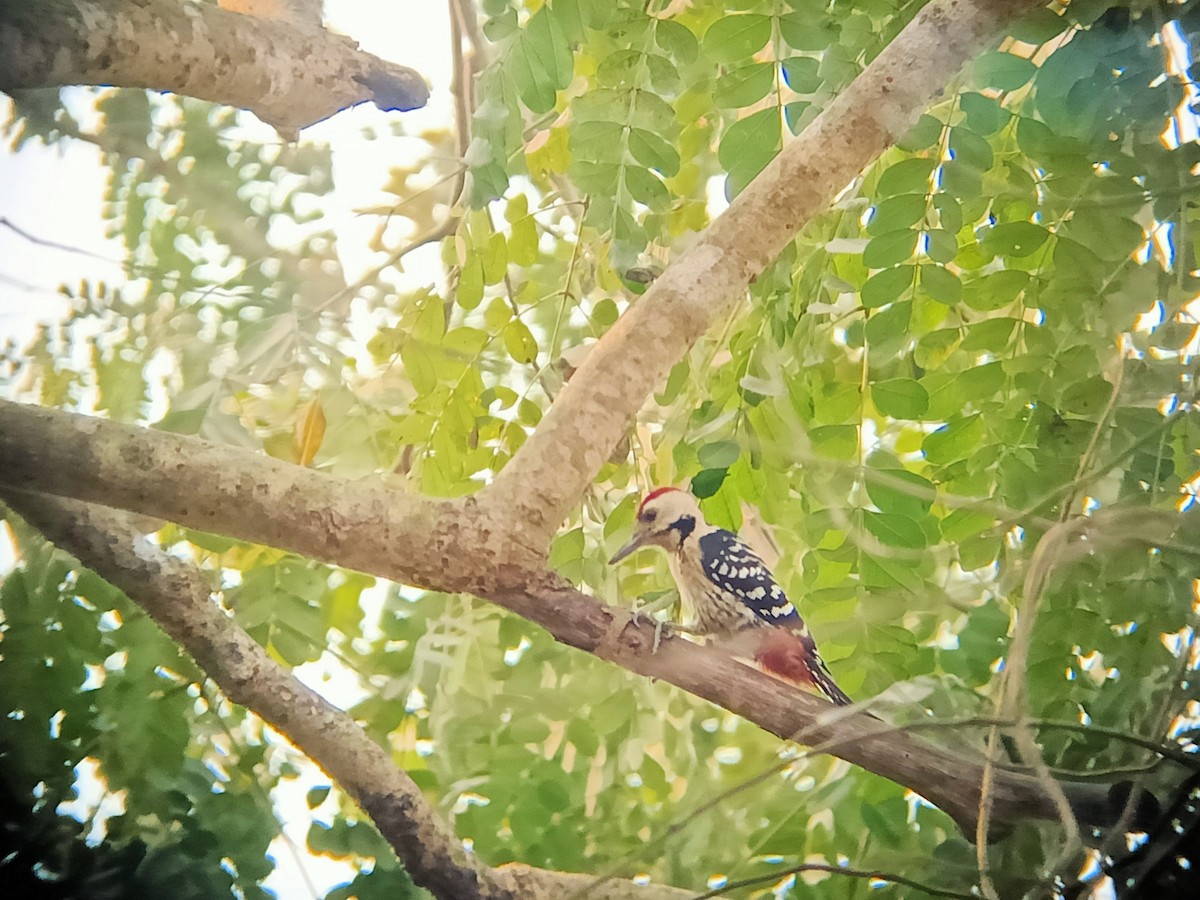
551	470
176	595
947	779
457	546
289	76
214	488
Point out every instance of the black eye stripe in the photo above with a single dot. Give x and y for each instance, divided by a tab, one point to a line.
684	525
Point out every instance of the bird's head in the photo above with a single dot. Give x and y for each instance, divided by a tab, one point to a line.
666	518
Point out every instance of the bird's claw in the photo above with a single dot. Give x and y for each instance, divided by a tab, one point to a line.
639	616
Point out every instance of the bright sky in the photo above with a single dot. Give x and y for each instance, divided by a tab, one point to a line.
55	194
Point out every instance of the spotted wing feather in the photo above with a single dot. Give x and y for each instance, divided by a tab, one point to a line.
735	568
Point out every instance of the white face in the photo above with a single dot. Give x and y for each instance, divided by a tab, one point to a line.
659	522
658	516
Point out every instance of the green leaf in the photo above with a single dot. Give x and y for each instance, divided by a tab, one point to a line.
598	178
888	572
497	314
984	114
940	245
886	286
707	482
794	114
906	177
898	212
896	490
890	248
802	74
1003	71
977	552
520	342
924	134
495	259
964	523
676	40
745	85
900	398
890	323
652	151
419	366
736	37
583	736
935	348
1014	239
553	796
995	291
990	335
949	212
810	29
646	187
980	382
610	714
1088	397
954	440
750	143
895	530
941	284
970	149
835	441
653	113
540	61
719	454
598	140
470	284
316	796
605	312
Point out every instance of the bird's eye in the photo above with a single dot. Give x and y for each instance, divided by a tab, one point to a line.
648	515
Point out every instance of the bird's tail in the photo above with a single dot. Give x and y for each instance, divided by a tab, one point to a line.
791	655
827	686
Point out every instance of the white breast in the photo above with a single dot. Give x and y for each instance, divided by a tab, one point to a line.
706	609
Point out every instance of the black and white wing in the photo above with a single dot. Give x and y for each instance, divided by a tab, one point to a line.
733	567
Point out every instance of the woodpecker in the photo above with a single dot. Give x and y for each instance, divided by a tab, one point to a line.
729	591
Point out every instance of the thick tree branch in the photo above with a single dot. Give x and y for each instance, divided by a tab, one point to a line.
288	76
456	546
257	498
947	779
177	596
550	472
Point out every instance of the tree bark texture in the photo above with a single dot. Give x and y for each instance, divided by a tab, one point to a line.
288	74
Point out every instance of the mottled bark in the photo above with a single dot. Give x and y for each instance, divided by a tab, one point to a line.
289	73
250	496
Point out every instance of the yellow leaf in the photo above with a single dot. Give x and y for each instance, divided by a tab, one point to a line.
309	432
266	9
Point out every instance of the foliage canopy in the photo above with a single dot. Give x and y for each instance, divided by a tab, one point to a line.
990	331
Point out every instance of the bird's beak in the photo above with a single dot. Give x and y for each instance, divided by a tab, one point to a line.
637	541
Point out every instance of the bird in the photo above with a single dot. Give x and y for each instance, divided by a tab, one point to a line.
729	591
